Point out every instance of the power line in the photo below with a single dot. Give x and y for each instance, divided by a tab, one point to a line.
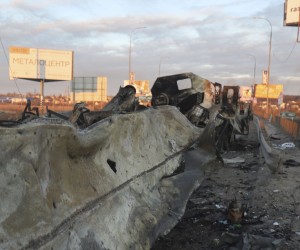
15	81
289	55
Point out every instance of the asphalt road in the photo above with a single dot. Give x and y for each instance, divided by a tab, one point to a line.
269	203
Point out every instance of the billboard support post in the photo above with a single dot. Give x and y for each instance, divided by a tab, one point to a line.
42	96
298	28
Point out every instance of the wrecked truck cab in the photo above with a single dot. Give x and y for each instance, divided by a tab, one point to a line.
233	118
185	91
174	89
239	112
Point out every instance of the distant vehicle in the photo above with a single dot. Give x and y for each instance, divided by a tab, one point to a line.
5	100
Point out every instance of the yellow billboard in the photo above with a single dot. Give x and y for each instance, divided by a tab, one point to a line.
271	91
40	64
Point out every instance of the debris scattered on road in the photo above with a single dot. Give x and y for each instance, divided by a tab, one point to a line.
219	206
224	222
234	160
231	238
284	146
291	163
235	212
275	137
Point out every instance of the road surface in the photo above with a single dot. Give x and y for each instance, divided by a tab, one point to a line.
269	202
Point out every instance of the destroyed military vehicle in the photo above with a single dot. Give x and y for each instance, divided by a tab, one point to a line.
196	97
185	91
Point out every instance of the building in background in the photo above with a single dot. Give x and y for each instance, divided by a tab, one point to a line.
89	89
246	94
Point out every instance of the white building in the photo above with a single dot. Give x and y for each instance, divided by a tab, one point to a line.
16	100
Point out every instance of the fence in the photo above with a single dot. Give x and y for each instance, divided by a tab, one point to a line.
290	125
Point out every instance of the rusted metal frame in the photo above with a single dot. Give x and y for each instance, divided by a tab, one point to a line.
8	124
225	126
28	110
51	112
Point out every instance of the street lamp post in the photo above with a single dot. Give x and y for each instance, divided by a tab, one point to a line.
160	64
130	38
269	65
254	70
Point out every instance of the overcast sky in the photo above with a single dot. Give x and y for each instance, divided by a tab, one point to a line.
218	40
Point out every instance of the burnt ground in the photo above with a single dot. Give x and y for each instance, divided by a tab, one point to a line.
269	202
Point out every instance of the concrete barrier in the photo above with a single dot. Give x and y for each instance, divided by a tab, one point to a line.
116	185
272	156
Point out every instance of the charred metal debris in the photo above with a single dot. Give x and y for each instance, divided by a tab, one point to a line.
197	98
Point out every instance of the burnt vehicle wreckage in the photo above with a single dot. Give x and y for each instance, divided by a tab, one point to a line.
92	162
232	117
184	91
